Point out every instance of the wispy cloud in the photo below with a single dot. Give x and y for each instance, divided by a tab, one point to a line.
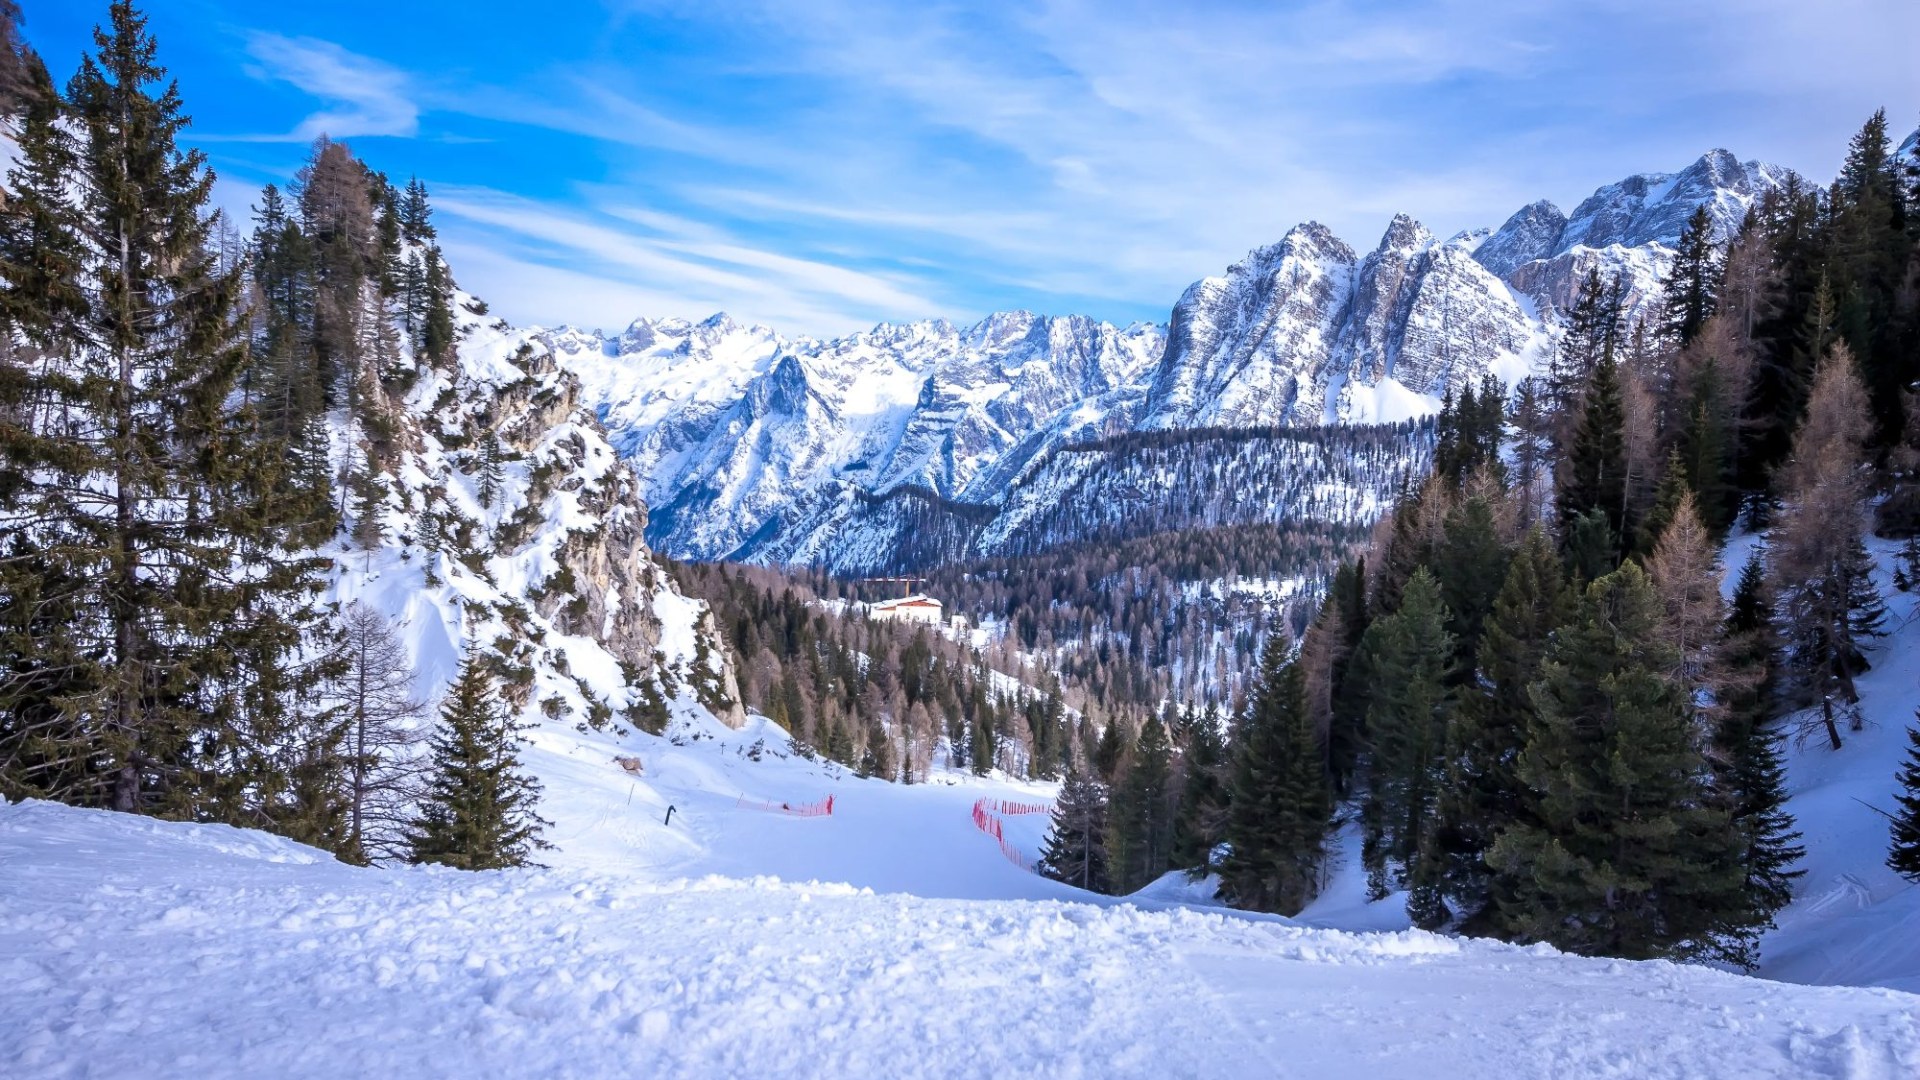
363	96
696	268
828	165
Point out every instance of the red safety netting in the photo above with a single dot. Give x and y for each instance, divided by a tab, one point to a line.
1002	806
823	808
984	819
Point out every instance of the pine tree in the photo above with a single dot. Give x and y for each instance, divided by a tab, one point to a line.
1407	721
1594	471
1483	795
155	513
369	504
1904	854
1672	491
416	216
1141	816
1618	851
1075	850
1203	794
1280	810
1533	428
1592	333
1692	285
478	810
491	477
1746	747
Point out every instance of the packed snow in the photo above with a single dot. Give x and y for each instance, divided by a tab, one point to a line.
891	937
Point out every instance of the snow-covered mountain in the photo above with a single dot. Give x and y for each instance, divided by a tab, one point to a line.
754	446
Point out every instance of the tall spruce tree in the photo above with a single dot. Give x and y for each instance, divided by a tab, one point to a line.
170	616
478	809
1140	820
1076	846
1746	747
1619	850
1412	657
1281	810
1594	470
1483	795
1903	856
1692	285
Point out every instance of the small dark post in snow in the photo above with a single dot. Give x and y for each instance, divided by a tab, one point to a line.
669	820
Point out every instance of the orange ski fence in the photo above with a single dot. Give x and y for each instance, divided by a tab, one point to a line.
985	819
823	808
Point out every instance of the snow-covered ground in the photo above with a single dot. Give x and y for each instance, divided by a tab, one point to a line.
890	938
132	946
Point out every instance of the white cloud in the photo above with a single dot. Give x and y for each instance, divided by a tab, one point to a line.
538	254
364	96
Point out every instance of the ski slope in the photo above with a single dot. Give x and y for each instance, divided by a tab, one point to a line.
130	946
890	938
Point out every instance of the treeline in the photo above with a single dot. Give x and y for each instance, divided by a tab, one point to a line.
893	700
1529	696
186	417
1131	624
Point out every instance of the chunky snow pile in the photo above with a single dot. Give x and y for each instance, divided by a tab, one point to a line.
127	943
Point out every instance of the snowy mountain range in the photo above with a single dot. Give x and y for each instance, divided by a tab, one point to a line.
754	446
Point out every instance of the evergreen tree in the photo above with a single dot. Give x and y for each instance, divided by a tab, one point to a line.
1407	721
478	810
1592	334
1673	490
169	614
416	216
1533	426
1692	284
1075	850
1203	794
1141	815
1904	854
1280	810
1483	795
1618	850
1594	470
491	478
1746	747
1109	753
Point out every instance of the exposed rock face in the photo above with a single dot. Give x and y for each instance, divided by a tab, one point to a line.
752	446
1251	344
731	427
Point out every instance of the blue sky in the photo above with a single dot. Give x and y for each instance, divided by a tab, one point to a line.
819	166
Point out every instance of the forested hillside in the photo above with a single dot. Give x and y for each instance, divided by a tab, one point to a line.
1532	696
266	492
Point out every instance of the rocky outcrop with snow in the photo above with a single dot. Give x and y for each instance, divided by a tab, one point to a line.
511	528
753	446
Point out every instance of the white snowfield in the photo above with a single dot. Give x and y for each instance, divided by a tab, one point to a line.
136	947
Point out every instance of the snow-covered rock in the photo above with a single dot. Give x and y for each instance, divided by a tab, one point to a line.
752	446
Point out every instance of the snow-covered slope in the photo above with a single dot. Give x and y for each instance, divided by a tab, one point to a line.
543	565
732	426
754	447
134	945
